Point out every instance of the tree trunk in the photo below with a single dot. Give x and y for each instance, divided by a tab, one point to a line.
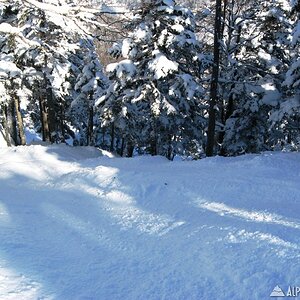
20	125
51	116
11	122
5	128
153	147
52	124
130	149
112	142
154	138
170	152
62	125
90	127
44	120
214	82
122	147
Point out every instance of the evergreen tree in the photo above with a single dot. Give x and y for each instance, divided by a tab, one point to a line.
90	85
260	62
154	101
50	56
285	117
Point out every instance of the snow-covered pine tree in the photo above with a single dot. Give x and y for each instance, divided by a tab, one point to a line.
154	101
90	86
29	42
51	67
10	80
10	111
261	61
48	48
286	116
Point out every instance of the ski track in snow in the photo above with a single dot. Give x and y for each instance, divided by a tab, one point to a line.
77	225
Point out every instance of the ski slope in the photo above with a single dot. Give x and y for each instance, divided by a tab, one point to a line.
78	223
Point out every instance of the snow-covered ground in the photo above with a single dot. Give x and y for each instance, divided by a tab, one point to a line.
76	223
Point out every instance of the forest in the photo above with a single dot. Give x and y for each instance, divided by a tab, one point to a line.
149	149
159	77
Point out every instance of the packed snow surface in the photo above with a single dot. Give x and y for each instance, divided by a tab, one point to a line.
78	223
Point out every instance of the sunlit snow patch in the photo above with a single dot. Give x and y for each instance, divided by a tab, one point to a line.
4	215
161	66
254	216
244	236
283	248
123	208
15	286
145	222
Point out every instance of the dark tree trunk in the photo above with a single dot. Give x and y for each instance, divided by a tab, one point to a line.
214	82
20	126
170	152
51	116
130	149
90	126
122	147
12	122
153	147
112	142
225	5
62	125
52	124
154	139
103	136
44	120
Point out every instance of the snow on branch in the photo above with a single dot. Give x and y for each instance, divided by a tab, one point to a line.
76	18
11	30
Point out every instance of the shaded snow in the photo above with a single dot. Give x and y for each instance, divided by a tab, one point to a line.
77	223
296	34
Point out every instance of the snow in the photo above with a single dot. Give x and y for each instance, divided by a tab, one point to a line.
272	95
9	69
7	28
288	107
292	74
169	2
78	223
296	34
2	139
124	68
161	66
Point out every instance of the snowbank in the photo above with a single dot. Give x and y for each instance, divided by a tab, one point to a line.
76	223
